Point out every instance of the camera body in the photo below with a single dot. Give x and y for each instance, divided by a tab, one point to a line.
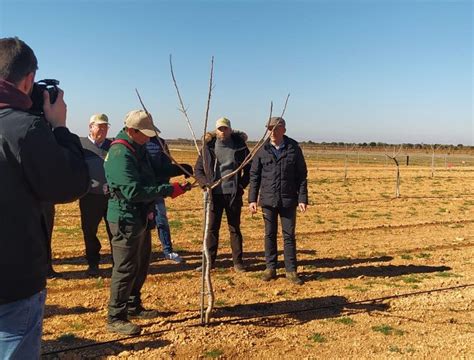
51	85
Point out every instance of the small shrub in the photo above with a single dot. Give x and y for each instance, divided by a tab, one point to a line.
214	353
345	321
387	330
317	337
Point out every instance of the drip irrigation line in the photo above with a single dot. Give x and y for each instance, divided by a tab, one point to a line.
315	308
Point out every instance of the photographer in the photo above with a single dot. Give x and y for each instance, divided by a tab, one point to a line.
40	161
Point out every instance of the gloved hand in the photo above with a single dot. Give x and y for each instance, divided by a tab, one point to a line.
180	189
188	168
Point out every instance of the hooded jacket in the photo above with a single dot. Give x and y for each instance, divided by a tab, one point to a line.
279	182
207	175
37	165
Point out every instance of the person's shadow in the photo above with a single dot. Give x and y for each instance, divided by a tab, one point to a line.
80	348
303	310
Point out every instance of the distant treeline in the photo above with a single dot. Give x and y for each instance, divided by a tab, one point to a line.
365	145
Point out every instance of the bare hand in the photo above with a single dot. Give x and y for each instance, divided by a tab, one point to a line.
55	113
253	207
302	207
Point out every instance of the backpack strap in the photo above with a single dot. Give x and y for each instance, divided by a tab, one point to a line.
126	144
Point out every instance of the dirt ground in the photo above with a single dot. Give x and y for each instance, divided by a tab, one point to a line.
384	277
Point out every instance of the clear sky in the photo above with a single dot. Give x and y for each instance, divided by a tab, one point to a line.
390	71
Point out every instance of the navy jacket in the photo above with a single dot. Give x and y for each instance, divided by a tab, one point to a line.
279	182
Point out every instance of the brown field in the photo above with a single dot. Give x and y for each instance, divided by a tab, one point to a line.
385	277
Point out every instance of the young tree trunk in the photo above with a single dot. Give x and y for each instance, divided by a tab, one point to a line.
206	285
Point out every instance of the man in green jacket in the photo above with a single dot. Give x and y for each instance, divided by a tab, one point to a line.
134	186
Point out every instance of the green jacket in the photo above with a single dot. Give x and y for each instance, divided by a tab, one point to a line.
133	181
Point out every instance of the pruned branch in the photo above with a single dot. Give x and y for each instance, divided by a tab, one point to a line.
183	108
161	142
284	107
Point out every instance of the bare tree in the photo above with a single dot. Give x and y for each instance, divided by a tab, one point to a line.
206	284
433	150
394	158
346	156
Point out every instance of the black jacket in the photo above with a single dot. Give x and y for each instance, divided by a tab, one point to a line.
279	182
36	165
208	175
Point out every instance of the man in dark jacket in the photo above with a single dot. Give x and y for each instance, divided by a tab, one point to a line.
278	175
40	161
224	152
134	185
93	205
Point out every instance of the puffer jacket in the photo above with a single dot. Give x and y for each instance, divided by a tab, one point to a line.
279	182
207	175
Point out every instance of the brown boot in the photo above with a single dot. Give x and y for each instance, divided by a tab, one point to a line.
269	274
293	277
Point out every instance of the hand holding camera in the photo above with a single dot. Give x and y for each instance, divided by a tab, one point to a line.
48	101
55	113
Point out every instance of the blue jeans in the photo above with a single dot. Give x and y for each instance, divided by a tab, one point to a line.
163	226
21	325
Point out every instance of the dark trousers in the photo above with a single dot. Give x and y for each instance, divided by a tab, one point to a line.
220	203
131	250
288	225
93	209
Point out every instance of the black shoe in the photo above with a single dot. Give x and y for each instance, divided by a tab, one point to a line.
293	277
239	268
269	274
141	313
123	327
93	270
54	274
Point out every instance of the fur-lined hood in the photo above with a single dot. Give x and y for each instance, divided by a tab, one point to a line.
211	135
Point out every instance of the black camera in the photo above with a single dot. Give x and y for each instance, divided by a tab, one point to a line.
51	86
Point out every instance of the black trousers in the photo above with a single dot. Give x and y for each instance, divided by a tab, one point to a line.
93	209
221	203
288	225
131	250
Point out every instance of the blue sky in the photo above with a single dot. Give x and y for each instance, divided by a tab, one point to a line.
390	71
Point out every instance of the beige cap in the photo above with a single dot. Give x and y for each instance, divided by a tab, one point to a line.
140	120
223	122
99	119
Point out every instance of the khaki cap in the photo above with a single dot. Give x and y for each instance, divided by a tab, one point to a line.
276	120
99	119
140	120
223	122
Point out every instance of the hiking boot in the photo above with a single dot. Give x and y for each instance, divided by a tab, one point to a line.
93	270
239	268
53	274
269	274
293	277
174	257
123	327
141	313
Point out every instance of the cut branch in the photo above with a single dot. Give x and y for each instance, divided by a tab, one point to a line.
165	151
183	108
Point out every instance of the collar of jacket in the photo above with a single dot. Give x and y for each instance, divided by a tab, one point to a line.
239	138
124	136
11	97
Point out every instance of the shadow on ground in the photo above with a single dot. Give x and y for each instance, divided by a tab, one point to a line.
68	346
303	310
